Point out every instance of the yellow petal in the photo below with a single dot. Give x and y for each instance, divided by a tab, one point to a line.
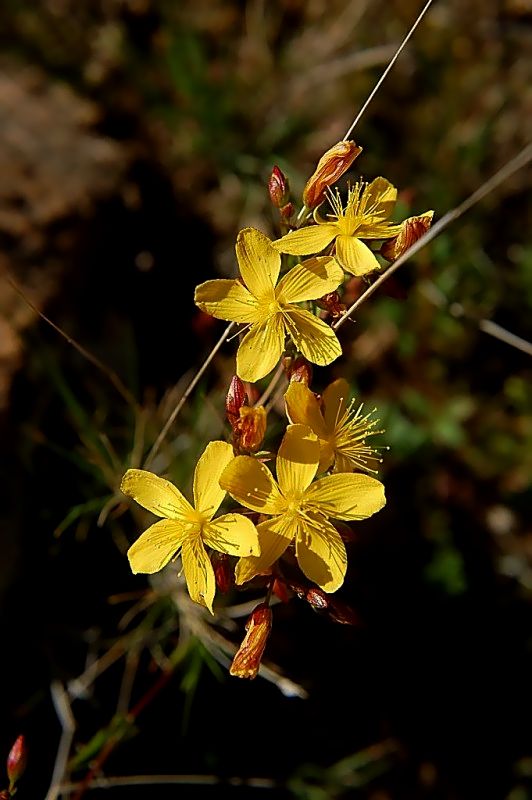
258	261
207	492
297	459
233	534
157	546
335	402
346	496
321	554
260	349
228	300
355	256
309	280
379	198
199	573
302	407
306	241
252	485
156	495
316	340
274	537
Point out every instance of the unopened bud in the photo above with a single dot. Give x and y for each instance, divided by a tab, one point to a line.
252	427
412	229
331	303
325	603
299	370
224	572
16	761
331	167
246	662
278	188
280	590
287	211
236	398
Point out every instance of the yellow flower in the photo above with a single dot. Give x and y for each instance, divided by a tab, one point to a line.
187	529
341	429
300	509
367	209
269	308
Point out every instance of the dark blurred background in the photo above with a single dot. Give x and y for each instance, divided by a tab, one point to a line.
136	139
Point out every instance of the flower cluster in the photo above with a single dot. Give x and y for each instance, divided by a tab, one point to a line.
287	531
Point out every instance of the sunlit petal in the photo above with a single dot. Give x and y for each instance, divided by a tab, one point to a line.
225	299
274	537
312	337
302	407
199	572
261	349
207	492
233	534
346	496
309	280
355	256
297	460
259	262
307	241
321	554
252	485
379	199
334	400
157	546
156	495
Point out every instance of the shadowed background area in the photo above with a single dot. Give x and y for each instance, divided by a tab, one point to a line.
136	140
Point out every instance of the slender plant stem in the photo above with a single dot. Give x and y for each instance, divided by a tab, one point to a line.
188	391
271	386
94	360
387	70
522	158
68	728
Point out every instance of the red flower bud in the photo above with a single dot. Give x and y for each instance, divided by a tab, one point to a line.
412	229
298	369
331	303
224	573
16	761
280	590
246	662
287	211
236	398
336	609
278	188
331	167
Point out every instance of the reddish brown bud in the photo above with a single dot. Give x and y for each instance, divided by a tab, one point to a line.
224	573
246	662
298	369
331	303
287	211
327	604
236	398
5	795
280	590
252	427
412	229
278	188
16	761
331	167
